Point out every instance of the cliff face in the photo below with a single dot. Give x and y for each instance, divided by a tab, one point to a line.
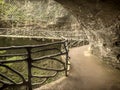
56	17
46	14
100	19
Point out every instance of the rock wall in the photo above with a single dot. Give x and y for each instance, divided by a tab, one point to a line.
100	19
46	14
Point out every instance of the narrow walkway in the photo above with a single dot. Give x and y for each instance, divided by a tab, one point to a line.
87	73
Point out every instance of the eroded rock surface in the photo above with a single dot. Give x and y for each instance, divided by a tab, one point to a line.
100	19
43	14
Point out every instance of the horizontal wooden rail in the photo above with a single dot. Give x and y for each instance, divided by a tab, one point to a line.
30	61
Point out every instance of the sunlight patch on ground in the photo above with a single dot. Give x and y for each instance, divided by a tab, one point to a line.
87	52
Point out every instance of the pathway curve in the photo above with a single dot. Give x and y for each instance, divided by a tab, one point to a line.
87	73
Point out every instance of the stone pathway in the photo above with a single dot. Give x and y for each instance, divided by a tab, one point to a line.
87	73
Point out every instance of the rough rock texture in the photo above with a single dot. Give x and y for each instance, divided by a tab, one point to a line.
100	19
52	15
58	18
46	14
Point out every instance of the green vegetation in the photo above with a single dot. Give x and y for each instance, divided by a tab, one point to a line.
22	12
22	66
12	13
3	51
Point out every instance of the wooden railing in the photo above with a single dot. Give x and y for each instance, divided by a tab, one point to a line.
39	33
30	59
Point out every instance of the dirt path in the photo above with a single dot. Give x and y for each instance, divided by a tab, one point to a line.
87	73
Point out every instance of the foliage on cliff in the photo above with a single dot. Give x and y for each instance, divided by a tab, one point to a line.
47	13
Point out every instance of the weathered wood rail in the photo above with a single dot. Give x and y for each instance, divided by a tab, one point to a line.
29	60
39	33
